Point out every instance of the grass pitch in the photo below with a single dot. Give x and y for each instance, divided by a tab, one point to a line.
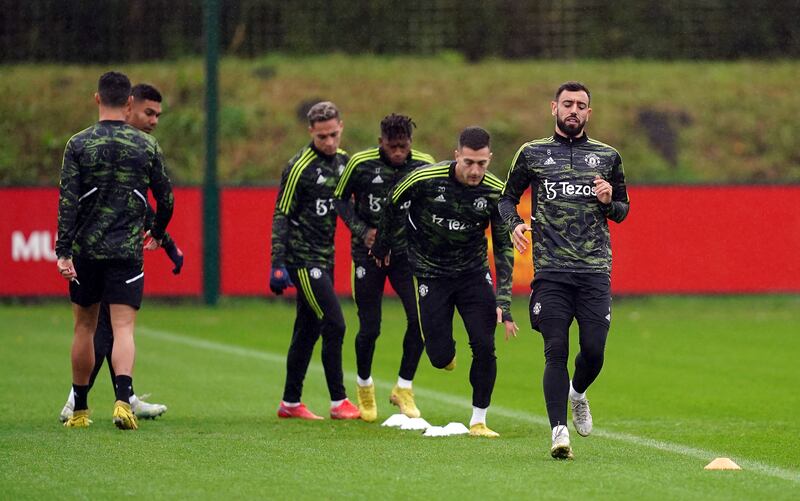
685	380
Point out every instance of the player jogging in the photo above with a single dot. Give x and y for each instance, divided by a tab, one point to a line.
303	228
577	185
106	172
144	115
452	204
366	181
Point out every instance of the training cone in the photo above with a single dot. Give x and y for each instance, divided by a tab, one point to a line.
722	464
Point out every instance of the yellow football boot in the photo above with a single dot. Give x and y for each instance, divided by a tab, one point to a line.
78	419
366	403
481	430
123	416
404	399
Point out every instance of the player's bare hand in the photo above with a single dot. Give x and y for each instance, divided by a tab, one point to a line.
151	243
521	242
510	326
603	190
369	237
66	269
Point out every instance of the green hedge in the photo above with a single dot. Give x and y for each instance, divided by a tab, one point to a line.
672	122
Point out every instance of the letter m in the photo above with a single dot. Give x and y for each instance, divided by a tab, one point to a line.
34	248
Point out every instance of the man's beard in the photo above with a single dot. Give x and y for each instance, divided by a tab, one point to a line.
568	129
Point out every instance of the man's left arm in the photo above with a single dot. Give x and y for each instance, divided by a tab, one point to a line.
617	209
162	191
504	267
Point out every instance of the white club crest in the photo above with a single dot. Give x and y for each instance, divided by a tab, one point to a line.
537	308
489	278
360	272
315	273
340	169
423	290
480	203
592	160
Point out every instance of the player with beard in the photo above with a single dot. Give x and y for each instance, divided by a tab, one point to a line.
577	185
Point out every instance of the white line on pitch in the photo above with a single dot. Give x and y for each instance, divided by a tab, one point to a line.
766	469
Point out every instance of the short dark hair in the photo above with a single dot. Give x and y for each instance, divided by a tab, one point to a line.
322	112
573	86
475	138
145	92
397	126
114	89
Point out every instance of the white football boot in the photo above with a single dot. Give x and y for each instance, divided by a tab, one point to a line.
146	410
581	416
561	448
66	412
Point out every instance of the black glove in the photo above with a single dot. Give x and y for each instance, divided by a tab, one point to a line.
175	255
279	280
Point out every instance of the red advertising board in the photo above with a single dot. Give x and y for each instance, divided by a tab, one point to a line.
677	239
28	234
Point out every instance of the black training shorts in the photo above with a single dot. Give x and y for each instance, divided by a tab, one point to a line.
583	296
111	280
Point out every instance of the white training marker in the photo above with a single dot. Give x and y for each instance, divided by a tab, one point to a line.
415	424
396	421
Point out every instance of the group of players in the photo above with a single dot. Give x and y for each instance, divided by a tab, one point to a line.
422	225
419	223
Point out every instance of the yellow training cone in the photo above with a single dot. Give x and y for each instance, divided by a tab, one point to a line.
722	464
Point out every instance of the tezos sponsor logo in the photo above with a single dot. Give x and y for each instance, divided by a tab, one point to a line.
567	189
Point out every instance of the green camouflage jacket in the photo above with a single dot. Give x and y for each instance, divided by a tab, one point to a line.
570	227
102	204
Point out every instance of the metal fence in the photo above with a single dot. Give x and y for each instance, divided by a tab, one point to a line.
123	30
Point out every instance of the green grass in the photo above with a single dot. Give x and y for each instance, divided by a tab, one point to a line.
727	128
685	380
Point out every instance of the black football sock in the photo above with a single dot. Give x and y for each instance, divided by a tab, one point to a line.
123	386
81	397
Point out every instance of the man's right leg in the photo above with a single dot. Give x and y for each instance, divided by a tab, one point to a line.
551	310
85	297
368	283
305	334
103	338
435	309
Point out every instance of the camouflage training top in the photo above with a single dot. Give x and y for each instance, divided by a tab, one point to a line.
570	227
304	221
102	204
446	226
367	179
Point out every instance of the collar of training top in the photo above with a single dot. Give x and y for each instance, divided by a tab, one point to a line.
570	140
